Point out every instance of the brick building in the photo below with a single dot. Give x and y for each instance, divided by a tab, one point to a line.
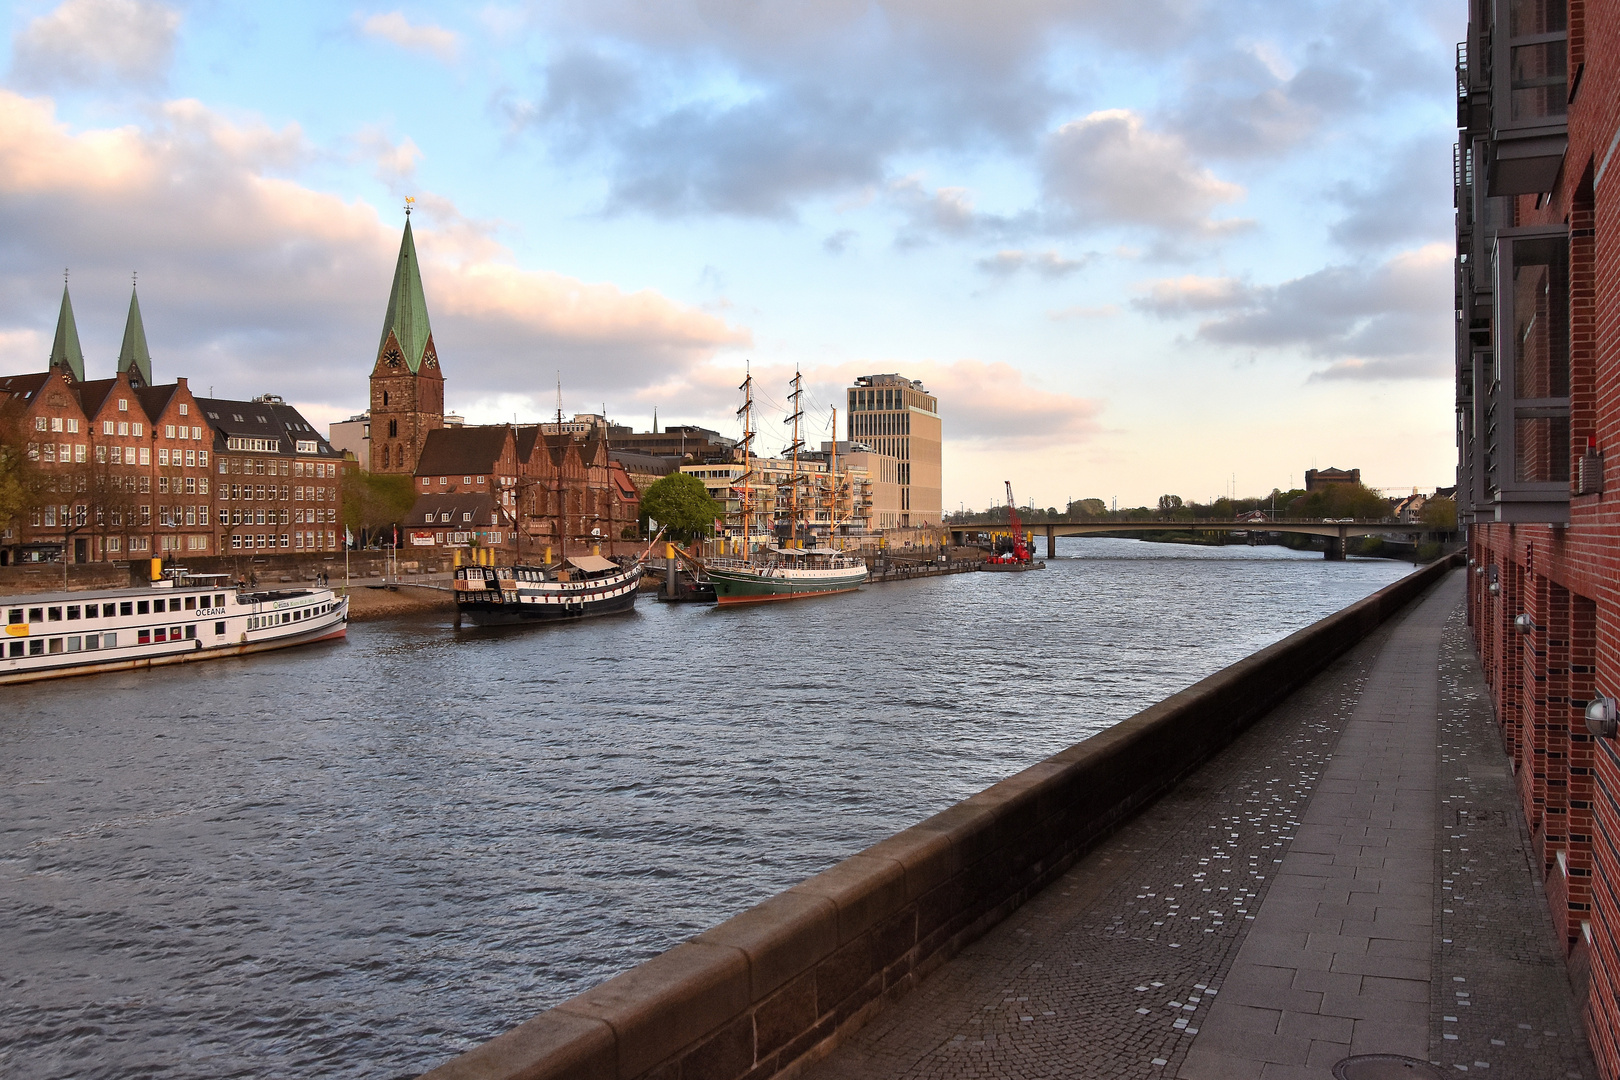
129	469
407	387
1538	408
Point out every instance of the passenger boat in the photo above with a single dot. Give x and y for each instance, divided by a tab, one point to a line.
180	618
577	587
785	574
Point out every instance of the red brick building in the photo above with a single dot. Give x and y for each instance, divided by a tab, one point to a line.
1538	409
129	469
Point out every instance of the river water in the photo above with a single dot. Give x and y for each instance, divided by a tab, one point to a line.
359	859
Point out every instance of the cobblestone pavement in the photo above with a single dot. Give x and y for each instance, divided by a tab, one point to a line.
1501	999
1114	969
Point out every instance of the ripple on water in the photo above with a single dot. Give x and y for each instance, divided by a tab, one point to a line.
358	860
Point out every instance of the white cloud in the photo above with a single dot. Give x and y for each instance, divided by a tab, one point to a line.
1383	321
87	42
254	282
1047	264
1108	168
417	37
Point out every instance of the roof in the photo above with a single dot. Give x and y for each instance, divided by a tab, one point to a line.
621	478
23	386
93	394
466	450
155	399
65	351
263	420
431	510
407	317
133	357
652	464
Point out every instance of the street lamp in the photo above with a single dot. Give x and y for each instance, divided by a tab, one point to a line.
1601	717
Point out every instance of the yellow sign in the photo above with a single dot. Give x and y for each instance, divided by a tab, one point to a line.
17	629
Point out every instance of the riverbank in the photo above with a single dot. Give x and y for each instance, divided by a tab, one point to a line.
388	601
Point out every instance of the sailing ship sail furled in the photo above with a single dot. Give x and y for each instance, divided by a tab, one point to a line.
780	573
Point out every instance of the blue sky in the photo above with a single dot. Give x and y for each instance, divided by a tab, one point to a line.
1134	248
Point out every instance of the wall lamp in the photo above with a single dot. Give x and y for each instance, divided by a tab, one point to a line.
1495	588
1524	624
1602	717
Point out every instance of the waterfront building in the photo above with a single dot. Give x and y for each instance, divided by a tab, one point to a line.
353	436
1317	479
131	469
1537	362
521	490
899	418
681	441
882	506
277	481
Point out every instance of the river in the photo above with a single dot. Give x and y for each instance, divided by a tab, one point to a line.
359	859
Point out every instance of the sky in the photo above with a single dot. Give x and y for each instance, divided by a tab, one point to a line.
1159	247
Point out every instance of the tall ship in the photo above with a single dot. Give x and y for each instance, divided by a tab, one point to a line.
789	572
576	587
177	618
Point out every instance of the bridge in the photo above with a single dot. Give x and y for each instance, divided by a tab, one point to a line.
1337	531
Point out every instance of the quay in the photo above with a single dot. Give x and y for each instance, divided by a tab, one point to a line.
1311	855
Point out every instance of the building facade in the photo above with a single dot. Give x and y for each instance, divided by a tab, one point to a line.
125	468
407	387
898	418
1537	375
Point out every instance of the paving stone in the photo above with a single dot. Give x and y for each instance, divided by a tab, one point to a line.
1335	864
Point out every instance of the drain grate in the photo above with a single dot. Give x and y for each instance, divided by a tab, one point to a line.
1386	1067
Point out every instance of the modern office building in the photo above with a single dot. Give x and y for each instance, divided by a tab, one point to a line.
897	417
1537	370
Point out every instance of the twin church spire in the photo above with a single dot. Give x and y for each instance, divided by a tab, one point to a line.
133	357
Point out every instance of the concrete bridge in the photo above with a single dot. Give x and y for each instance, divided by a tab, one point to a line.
1337	531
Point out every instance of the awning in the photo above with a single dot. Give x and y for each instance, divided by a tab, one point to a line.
592	564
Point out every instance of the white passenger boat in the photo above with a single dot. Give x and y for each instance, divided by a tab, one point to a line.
181	618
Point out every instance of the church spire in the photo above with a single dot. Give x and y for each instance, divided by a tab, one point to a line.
407	319
65	351
134	357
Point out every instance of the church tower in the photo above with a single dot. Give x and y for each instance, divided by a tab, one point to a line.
407	387
65	351
134	357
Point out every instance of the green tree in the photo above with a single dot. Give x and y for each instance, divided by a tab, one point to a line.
21	480
1342	501
376	500
681	504
1440	514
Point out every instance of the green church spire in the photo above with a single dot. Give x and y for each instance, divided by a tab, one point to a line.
65	351
134	357
407	318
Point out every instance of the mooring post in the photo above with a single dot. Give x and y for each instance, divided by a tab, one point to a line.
1051	542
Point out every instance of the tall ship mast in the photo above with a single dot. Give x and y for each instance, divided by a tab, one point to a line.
782	573
744	483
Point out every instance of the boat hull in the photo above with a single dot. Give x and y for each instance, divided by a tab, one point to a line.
484	614
1010	568
742	587
504	597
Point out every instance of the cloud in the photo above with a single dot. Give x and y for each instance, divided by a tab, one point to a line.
1410	201
994	402
702	108
416	37
1382	321
394	163
254	282
1082	311
1047	264
1109	169
95	42
837	243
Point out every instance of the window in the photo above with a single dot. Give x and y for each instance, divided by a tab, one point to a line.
163	456
56	423
163	485
136	430
393	429
191	459
142	607
443	480
108	427
191	485
168	431
466	517
144	637
79	453
146	459
123	406
196	433
101	454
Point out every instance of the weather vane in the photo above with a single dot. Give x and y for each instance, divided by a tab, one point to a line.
409	201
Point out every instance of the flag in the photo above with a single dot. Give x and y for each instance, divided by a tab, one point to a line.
348	537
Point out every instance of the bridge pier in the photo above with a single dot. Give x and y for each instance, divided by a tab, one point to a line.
1335	549
1051	541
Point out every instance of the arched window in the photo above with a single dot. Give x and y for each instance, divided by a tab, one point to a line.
393	429
385	457
385	397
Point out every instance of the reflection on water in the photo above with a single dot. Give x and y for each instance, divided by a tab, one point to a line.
359	859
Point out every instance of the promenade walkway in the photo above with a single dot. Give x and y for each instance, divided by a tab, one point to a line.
1351	877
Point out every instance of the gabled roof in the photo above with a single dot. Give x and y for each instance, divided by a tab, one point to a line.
93	395
480	505
23	386
263	420
465	450
155	399
133	357
407	317
65	351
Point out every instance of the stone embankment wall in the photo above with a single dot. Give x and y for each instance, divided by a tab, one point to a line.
270	569
779	984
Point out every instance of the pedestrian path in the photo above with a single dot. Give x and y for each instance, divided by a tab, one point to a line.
1295	902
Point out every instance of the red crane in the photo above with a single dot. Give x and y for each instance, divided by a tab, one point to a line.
1020	553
